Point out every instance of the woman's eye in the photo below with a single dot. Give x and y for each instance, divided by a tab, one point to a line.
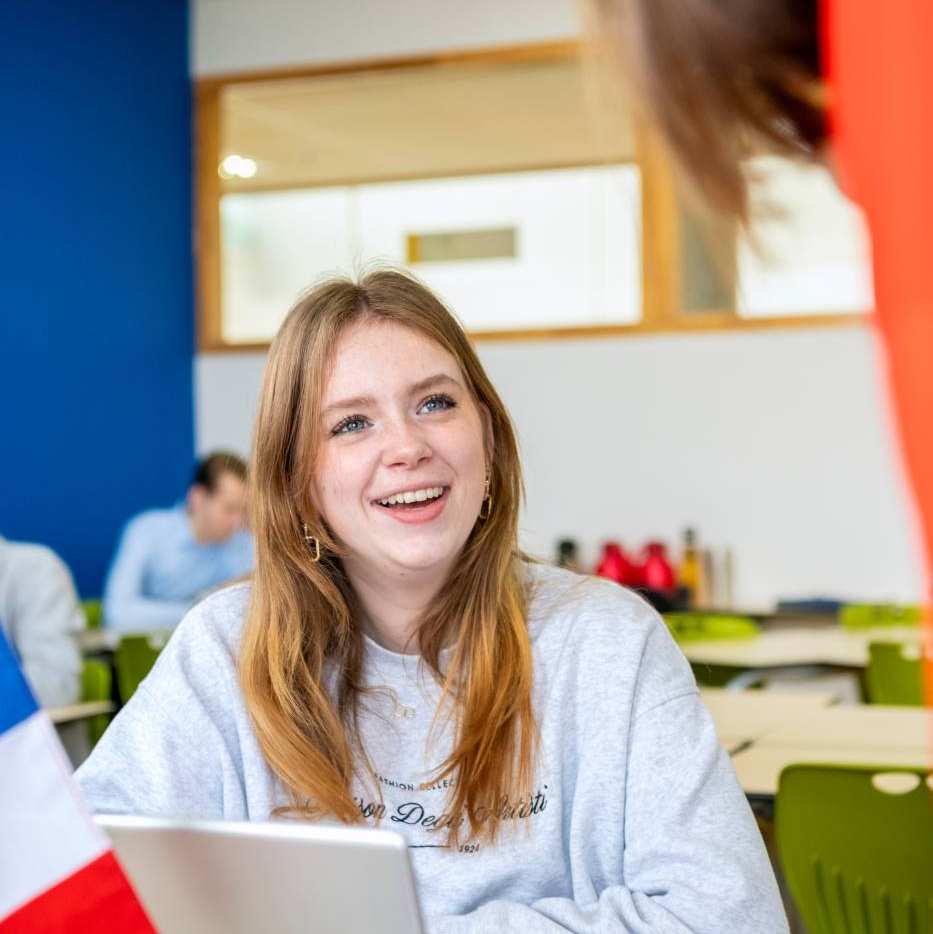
350	425
437	403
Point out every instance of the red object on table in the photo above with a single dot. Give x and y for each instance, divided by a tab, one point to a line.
615	565
657	571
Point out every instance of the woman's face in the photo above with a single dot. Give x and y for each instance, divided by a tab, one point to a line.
402	466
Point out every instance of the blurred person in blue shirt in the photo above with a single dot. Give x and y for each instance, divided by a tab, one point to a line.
168	558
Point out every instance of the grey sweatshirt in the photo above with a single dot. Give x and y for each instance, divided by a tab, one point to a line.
635	819
41	617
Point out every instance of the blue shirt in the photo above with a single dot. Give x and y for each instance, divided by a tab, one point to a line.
160	570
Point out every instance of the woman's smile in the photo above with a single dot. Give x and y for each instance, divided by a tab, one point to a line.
415	506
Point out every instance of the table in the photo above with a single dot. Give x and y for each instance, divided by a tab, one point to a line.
805	645
741	717
71	726
95	641
99	641
72	712
861	734
858	726
809	650
759	766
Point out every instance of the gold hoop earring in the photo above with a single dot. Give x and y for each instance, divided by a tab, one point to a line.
486	507
313	543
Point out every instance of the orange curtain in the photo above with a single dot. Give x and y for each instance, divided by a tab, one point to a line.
878	57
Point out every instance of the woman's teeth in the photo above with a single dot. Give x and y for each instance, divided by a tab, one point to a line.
412	496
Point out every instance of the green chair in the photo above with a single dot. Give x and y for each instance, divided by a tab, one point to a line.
93	612
874	615
703	627
697	627
134	657
856	846
96	684
894	674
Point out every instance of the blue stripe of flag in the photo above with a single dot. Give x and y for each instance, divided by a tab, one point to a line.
16	700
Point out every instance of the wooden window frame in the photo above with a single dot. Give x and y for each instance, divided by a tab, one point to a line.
662	262
660	244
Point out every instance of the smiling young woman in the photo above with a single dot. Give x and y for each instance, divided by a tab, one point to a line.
536	735
344	422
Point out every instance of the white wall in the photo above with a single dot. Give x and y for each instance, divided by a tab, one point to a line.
774	443
240	35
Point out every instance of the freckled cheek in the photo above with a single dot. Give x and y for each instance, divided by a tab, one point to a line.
345	481
468	456
328	486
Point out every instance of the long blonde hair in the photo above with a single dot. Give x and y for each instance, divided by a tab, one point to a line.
302	618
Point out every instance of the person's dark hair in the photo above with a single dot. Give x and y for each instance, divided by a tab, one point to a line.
722	79
209	471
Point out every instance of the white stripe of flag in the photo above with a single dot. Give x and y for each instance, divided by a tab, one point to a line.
57	870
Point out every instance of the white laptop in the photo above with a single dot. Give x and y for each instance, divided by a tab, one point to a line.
214	877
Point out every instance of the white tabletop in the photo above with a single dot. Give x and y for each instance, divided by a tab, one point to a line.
759	767
106	640
859	734
98	640
857	726
72	712
744	716
800	645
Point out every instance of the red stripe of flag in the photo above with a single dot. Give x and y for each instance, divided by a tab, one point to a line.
97	899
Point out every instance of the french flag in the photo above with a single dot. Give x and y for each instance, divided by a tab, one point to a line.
57	869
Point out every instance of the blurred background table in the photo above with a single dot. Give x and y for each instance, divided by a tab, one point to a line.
862	734
744	716
798	645
73	712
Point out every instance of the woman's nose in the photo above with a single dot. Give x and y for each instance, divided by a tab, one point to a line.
405	445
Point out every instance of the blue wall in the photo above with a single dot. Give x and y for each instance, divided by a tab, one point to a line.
96	319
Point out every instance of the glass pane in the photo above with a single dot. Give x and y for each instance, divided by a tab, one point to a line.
807	251
707	261
578	236
273	246
576	259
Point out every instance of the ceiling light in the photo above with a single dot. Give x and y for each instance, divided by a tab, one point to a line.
236	166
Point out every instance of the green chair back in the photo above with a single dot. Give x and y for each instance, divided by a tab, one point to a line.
96	684
858	859
134	657
696	627
93	612
873	615
894	674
